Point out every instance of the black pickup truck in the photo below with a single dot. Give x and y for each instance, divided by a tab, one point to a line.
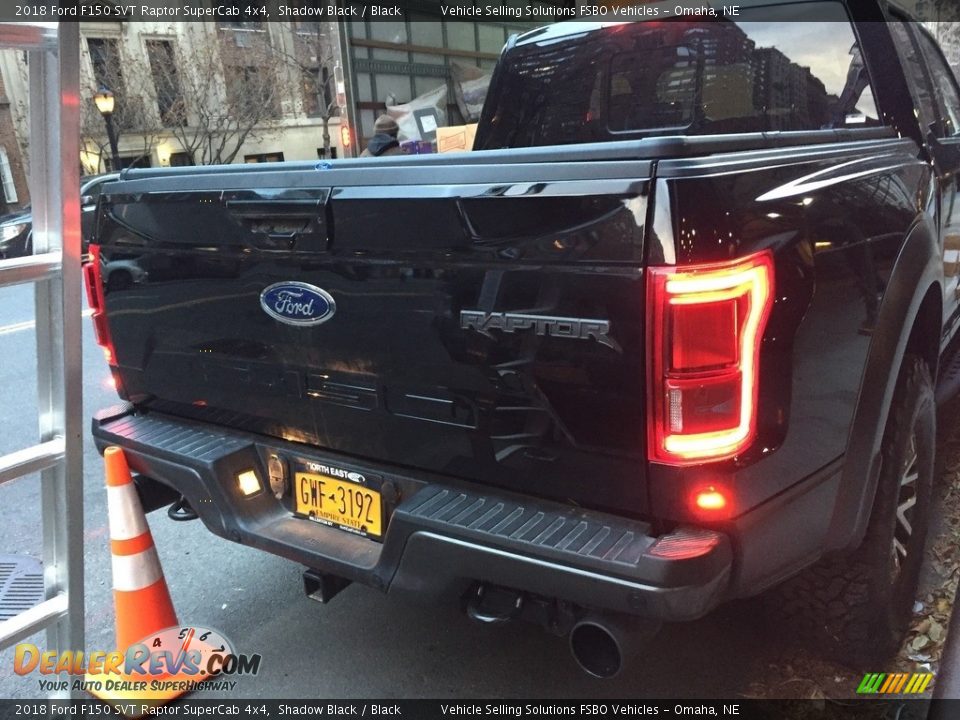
668	336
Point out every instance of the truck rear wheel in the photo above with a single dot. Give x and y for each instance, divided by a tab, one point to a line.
856	608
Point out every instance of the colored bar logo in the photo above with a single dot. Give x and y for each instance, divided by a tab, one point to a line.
894	683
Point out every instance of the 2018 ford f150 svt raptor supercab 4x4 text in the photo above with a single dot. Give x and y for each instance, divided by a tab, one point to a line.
668	336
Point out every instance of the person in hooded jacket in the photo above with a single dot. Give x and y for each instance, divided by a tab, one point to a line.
384	141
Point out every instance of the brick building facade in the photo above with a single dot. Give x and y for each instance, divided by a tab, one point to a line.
14	192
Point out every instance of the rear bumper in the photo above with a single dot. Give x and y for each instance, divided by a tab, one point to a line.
441	536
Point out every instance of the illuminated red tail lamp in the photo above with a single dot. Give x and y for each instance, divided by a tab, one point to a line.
93	281
712	503
707	322
710	500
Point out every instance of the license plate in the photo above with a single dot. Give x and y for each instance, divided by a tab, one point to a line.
340	503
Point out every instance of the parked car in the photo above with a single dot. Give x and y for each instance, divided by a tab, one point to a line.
16	229
669	336
16	233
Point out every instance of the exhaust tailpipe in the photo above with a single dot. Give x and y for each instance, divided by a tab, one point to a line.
603	644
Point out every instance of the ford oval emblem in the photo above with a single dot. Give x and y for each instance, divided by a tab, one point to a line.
297	303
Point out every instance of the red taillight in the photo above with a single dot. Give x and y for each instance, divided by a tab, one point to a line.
93	280
102	333
93	274
712	503
710	500
704	343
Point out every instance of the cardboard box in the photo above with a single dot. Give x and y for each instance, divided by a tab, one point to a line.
456	138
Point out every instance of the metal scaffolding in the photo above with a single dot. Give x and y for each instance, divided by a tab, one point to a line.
54	56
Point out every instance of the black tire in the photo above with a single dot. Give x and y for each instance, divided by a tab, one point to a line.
856	608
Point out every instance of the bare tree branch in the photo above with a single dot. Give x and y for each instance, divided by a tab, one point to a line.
312	61
135	115
221	91
946	11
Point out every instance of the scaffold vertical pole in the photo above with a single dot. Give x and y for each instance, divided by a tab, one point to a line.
54	56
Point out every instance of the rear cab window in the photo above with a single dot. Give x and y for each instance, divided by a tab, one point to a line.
682	77
948	123
915	72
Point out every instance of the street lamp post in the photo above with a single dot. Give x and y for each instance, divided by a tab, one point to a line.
104	101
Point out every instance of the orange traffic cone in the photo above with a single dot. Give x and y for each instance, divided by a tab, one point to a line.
140	595
142	603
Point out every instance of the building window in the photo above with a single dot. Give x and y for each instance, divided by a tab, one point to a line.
239	18
108	73
314	57
306	27
323	156
6	177
181	159
264	157
166	80
105	57
135	161
313	80
251	92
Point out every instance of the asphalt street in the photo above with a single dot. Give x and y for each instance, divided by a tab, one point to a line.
362	644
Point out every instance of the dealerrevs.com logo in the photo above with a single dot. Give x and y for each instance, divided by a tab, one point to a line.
894	683
174	659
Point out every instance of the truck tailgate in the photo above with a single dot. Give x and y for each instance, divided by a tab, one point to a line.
488	320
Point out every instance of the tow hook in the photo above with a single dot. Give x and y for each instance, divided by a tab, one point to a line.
182	511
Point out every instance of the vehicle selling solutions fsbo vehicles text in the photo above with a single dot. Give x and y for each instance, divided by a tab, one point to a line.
552	13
